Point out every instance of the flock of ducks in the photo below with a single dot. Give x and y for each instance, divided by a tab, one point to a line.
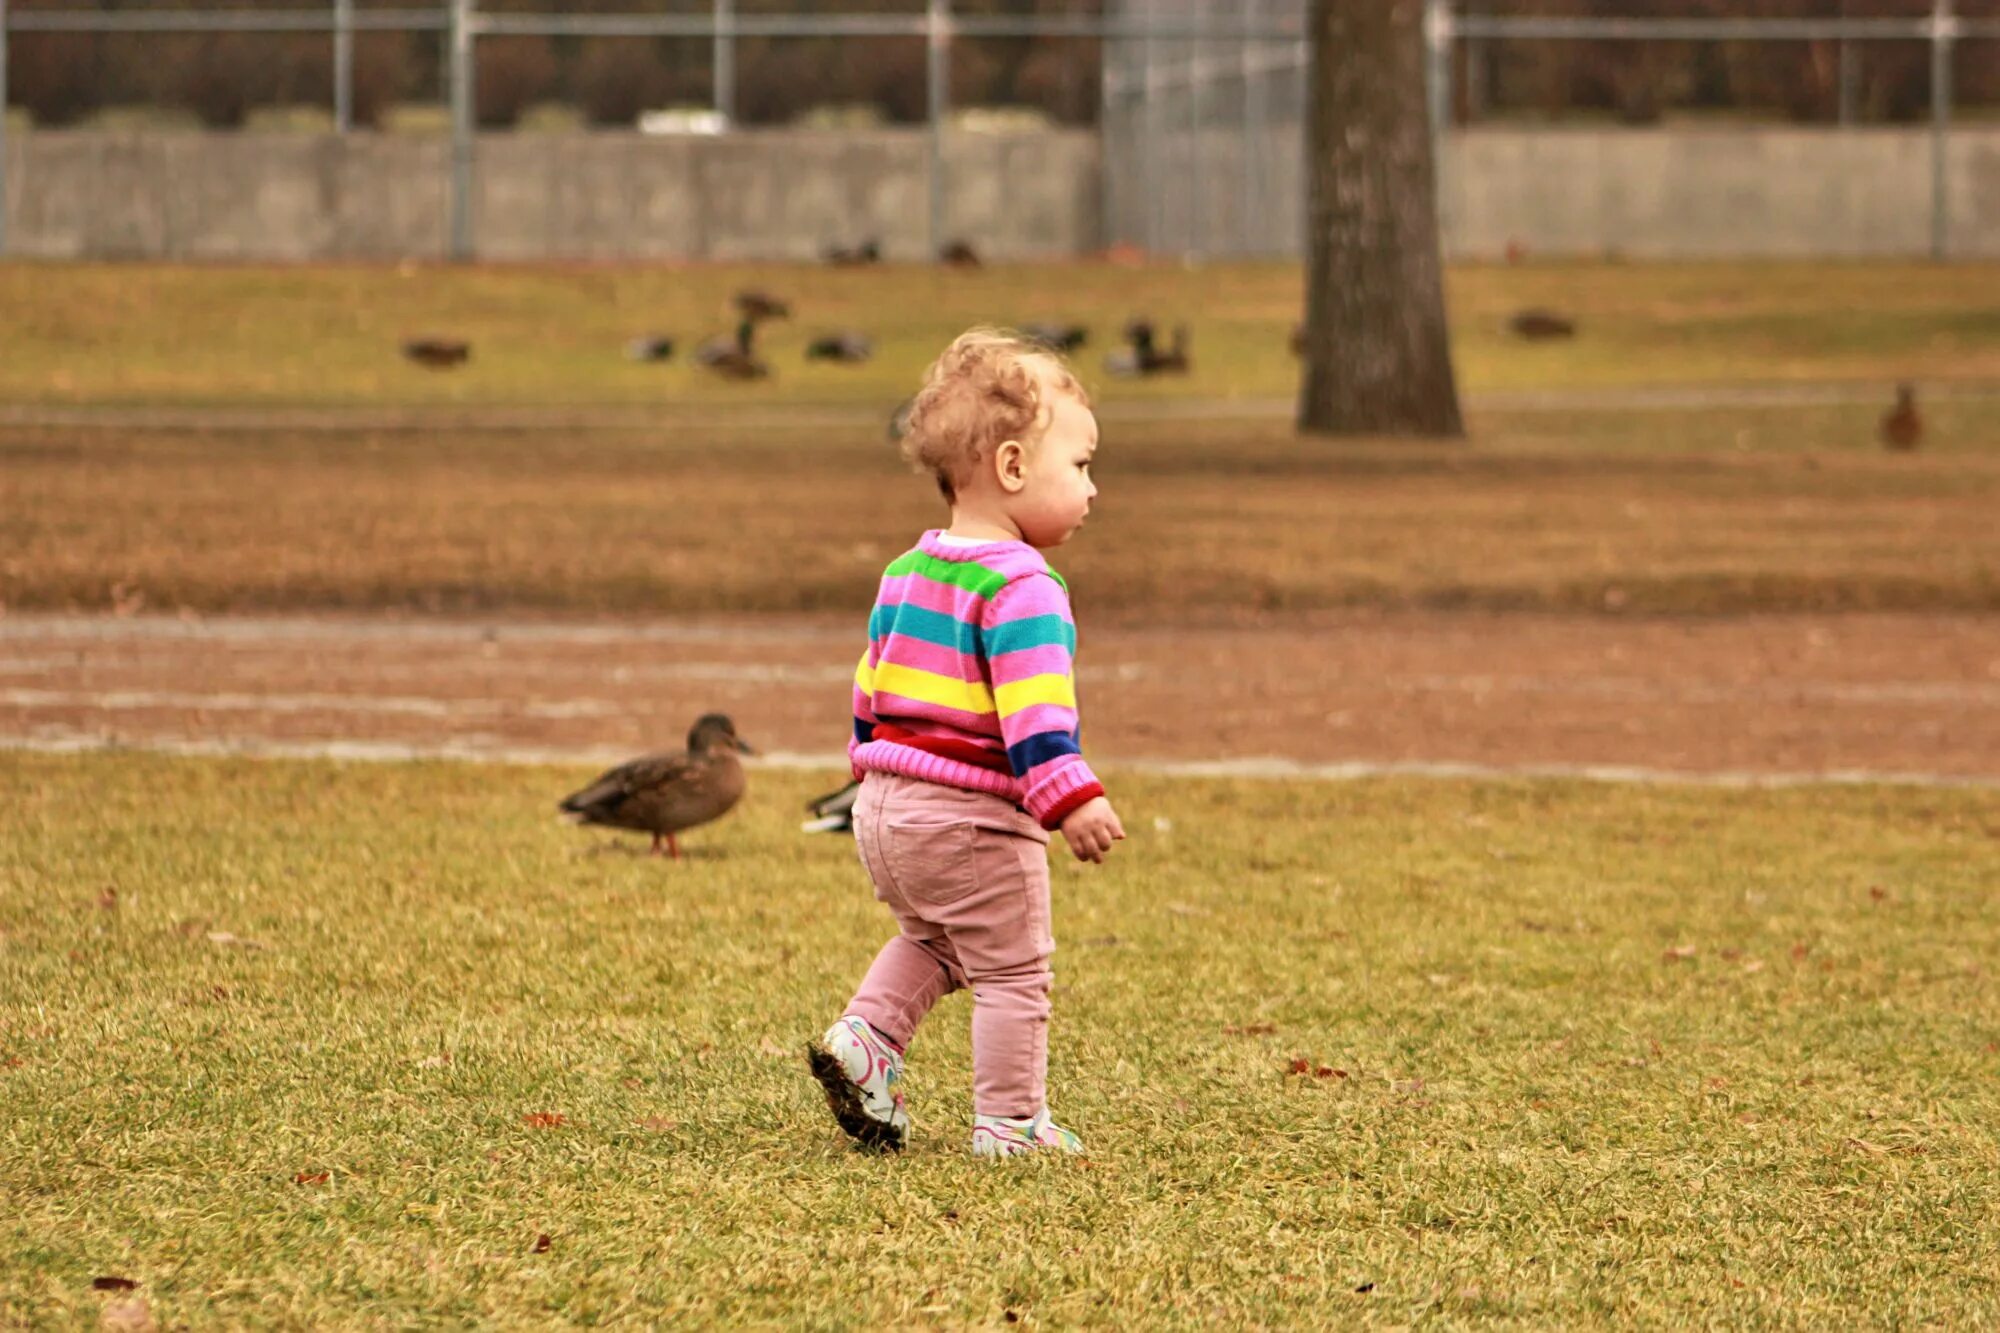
1138	355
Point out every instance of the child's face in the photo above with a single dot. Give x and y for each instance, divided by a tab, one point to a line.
1056	499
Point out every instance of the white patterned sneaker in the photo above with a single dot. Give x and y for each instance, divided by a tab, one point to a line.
1007	1136
862	1074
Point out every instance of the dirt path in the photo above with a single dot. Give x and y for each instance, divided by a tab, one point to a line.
1791	696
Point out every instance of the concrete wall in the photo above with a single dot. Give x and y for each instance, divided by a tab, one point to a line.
1671	193
781	195
1701	193
1640	193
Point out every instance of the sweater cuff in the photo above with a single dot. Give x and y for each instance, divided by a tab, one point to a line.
1056	796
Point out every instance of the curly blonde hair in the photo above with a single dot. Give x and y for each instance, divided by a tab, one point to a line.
985	389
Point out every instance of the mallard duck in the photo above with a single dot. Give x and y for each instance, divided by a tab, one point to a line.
1138	352
1903	425
846	256
1538	325
846	347
437	353
1058	337
732	358
666	794
761	305
1173	361
651	347
833	812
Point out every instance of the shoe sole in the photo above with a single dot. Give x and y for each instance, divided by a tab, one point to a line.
844	1100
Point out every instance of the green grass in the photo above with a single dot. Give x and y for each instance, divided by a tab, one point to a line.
1547	1117
152	333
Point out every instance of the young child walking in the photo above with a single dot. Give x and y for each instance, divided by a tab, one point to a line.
965	739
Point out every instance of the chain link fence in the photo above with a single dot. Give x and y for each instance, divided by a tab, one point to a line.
1201	102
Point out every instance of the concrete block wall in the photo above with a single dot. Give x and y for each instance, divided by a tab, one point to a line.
778	195
1658	193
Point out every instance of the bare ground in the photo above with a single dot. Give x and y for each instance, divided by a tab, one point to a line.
1914	696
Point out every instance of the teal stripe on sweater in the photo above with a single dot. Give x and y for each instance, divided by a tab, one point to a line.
930	626
1031	632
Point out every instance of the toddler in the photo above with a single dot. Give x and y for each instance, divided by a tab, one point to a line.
965	739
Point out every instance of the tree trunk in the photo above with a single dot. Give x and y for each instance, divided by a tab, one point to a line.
1377	354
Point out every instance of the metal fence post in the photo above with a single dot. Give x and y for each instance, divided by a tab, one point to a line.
725	61
462	74
1256	130
1437	84
1944	27
1152	89
1197	212
938	72
1107	202
343	66
3	127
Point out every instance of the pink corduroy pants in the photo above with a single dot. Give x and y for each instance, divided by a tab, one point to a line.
967	875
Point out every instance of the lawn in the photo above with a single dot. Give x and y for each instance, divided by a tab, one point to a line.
1710	510
195	334
302	1044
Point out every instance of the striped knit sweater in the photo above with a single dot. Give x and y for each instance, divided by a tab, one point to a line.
967	680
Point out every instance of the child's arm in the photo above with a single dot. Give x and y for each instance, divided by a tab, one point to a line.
1029	641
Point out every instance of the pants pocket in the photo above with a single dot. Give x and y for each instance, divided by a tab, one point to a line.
932	864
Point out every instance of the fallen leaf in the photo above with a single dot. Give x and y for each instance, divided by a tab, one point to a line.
1872	1149
632	1083
542	1243
1250	1030
1439	979
544	1119
1799	952
1364	1289
1738	1283
1011	1317
113	1284
659	1124
1730	955
1409	1086
1753	965
1680	953
316	1178
769	1047
1326	1072
1878	893
438	1061
225	938
108	900
1718	1083
1300	1067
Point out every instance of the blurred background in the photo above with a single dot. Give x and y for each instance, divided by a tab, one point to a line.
616	128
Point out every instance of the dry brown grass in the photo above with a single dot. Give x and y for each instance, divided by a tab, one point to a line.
1676	511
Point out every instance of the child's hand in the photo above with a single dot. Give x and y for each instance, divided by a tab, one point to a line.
1091	829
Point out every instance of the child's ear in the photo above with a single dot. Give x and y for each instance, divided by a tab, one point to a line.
1010	464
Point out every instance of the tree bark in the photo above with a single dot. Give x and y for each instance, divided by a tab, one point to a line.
1377	352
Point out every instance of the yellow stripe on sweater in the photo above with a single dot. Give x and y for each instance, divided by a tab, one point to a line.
1046	689
929	688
